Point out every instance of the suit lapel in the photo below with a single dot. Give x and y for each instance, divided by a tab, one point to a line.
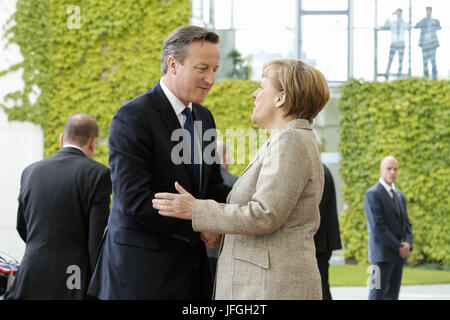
257	155
297	123
170	120
167	114
389	200
204	172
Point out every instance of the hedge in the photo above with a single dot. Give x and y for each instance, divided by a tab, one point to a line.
231	104
408	119
113	57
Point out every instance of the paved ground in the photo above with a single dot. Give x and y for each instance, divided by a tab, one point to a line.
423	292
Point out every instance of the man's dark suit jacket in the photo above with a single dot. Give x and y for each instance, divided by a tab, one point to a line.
386	229
63	210
327	237
146	255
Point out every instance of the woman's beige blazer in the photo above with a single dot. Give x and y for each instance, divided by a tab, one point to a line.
269	221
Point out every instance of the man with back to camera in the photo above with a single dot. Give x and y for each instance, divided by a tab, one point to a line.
145	255
390	232
63	210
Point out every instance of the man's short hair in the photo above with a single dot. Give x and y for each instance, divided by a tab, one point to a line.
178	40
79	129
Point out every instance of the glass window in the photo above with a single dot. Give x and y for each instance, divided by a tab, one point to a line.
251	14
328	5
363	63
363	14
222	14
324	44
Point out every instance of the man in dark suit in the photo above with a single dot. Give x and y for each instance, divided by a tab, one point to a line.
63	210
390	232
146	255
327	237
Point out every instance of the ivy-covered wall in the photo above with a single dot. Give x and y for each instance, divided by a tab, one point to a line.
112	57
408	119
231	104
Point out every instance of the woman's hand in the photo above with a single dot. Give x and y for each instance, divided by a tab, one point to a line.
175	205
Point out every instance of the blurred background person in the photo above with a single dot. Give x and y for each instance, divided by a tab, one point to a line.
429	42
398	27
63	211
327	237
224	154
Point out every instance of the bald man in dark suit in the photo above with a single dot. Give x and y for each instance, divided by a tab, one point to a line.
63	210
390	232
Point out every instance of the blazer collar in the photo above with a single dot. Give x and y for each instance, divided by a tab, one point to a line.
296	123
170	120
260	152
388	197
176	104
72	150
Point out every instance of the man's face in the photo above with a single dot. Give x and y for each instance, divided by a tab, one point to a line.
389	170
195	77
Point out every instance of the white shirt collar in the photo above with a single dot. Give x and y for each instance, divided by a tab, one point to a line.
386	186
177	105
68	145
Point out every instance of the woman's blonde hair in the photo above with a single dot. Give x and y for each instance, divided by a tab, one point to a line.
306	89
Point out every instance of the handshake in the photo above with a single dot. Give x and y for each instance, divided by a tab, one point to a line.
212	240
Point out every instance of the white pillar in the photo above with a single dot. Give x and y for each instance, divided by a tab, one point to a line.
21	143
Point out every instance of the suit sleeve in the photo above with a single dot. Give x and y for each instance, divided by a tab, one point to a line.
278	189
99	214
21	224
332	223
373	210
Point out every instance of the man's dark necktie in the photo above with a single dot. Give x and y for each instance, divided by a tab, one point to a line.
396	204
189	126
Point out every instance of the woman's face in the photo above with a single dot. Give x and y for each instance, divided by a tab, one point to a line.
264	107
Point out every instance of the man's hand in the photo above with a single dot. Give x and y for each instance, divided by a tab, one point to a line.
404	250
212	240
175	205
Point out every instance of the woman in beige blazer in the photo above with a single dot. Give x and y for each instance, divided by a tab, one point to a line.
272	212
